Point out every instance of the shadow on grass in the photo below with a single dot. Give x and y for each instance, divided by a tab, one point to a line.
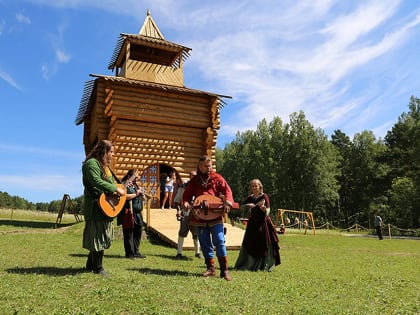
60	272
79	255
161	272
173	257
170	257
105	255
156	240
32	224
51	271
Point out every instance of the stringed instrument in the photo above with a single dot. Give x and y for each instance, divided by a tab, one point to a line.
208	207
112	204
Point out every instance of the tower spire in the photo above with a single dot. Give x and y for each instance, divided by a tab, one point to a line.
150	27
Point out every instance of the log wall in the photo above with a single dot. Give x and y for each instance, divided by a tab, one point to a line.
153	126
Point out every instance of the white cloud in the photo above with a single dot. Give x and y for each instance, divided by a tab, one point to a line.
50	68
62	56
128	7
9	79
22	18
39	151
38	182
325	57
304	59
42	187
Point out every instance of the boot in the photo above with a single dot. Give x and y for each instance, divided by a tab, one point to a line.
196	248
224	272
136	243
211	270
179	247
89	263
97	263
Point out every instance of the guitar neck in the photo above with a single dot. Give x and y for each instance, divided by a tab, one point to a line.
128	181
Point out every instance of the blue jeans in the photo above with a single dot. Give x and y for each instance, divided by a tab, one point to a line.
210	237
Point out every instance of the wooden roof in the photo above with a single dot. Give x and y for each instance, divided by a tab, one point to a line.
149	46
88	101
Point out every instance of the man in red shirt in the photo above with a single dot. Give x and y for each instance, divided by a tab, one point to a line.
210	233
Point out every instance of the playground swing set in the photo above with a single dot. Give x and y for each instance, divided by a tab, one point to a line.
301	220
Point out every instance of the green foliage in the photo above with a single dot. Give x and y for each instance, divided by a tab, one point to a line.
403	156
402	201
15	202
362	176
297	165
42	273
341	181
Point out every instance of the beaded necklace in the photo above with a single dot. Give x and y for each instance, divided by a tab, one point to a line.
205	182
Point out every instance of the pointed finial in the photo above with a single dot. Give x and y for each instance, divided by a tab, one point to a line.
148	11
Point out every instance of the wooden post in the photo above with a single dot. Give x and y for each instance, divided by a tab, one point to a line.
389	230
148	202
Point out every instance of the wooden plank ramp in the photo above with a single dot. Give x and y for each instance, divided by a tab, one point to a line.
165	225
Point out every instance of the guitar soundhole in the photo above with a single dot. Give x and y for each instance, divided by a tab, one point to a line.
113	200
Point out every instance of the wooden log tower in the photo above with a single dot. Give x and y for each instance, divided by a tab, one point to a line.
156	124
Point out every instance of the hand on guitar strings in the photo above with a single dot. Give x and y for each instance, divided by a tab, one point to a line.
120	191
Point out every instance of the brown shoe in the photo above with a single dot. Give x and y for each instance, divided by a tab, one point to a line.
225	275
210	272
224	272
211	269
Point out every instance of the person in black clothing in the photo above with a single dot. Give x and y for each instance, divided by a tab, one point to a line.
131	217
260	247
378	226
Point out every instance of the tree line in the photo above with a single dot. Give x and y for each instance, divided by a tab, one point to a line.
342	181
8	201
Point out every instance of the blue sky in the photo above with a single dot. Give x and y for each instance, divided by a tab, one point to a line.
348	65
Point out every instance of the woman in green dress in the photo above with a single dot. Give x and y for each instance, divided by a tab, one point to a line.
97	179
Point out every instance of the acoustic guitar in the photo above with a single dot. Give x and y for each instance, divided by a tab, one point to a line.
208	207
112	204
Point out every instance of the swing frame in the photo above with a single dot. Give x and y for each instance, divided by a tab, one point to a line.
309	216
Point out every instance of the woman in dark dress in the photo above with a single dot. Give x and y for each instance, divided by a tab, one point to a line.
260	247
131	217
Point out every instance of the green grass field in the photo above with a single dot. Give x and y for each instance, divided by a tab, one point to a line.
41	272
